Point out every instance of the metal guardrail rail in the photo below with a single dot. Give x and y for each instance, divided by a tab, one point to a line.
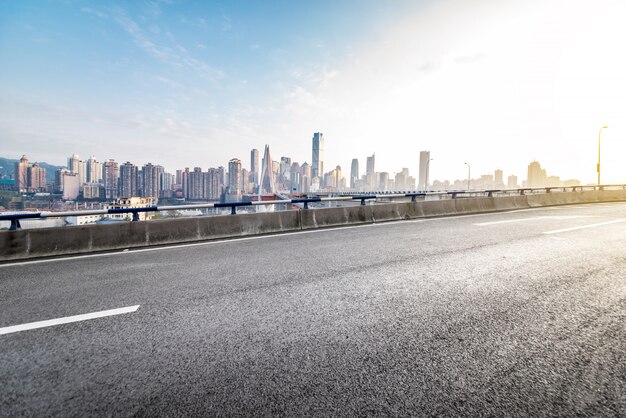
319	197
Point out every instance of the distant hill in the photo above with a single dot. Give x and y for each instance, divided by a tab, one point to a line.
7	169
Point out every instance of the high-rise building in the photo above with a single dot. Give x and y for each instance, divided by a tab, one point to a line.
294	178
21	174
128	180
370	167
111	174
70	185
267	174
196	184
354	173
424	170
536	175
305	178
36	178
94	170
498	178
512	182
317	166
151	180
254	167
234	180
383	179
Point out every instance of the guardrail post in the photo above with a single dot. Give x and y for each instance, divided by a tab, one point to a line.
306	205
413	198
15	225
233	210
362	202
135	216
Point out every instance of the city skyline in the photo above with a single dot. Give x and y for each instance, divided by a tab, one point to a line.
173	83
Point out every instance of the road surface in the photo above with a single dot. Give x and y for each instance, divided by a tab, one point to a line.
514	313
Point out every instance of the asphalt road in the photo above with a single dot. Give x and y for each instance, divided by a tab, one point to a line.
508	314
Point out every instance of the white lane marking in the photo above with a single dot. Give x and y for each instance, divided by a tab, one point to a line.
584	226
67	320
534	218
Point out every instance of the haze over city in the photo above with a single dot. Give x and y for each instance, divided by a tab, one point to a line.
184	84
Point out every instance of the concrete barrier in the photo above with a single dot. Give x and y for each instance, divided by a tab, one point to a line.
46	242
324	218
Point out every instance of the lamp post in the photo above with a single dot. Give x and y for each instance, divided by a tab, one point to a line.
598	166
469	170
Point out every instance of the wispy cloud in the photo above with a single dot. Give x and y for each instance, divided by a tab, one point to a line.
94	12
171	53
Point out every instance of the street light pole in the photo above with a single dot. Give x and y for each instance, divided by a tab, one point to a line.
469	170
598	166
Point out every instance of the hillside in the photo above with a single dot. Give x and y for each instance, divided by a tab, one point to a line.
7	169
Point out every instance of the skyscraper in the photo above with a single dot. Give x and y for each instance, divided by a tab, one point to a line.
234	179
196	184
537	176
128	180
254	167
267	174
36	178
151	177
354	173
317	167
370	167
424	170
111	175
21	174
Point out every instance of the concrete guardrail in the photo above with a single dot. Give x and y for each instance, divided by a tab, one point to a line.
47	242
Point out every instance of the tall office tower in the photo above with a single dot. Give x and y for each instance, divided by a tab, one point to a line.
94	170
354	173
317	165
234	179
536	175
196	184
371	164
424	170
512	182
267	175
498	178
294	178
111	174
151	184
36	178
128	180
21	174
254	167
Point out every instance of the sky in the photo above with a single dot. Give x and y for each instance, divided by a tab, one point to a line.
494	83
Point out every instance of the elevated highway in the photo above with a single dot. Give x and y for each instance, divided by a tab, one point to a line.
511	313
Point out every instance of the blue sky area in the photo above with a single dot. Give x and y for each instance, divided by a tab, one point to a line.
195	83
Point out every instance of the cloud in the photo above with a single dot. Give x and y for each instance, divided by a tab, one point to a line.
173	54
94	12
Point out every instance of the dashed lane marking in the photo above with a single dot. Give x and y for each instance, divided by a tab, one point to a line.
67	320
574	228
